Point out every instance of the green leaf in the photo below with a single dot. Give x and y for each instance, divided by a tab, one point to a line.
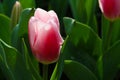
7	6
79	10
30	63
77	71
84	11
4	65
21	29
105	27
90	10
23	22
15	37
68	22
82	35
14	63
110	32
30	3
5	28
1	8
115	36
111	61
84	45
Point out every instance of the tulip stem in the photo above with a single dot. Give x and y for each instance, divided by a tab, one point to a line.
109	34
45	72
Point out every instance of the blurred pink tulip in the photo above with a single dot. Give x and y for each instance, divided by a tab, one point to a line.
110	8
44	36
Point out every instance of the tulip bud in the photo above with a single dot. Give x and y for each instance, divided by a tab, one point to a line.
15	14
44	36
110	8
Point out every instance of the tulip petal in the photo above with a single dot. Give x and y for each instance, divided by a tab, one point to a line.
54	17
34	25
60	39
110	8
53	21
41	14
32	30
44	35
48	44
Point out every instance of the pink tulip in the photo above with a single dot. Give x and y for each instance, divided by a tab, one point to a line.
44	36
110	8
